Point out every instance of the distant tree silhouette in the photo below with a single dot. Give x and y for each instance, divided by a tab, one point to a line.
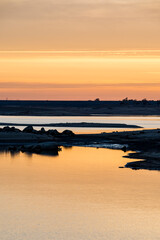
125	101
158	102
144	101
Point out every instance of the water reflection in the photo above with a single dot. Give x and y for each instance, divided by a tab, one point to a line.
15	153
81	194
68	147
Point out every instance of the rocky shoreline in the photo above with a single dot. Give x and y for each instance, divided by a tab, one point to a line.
144	144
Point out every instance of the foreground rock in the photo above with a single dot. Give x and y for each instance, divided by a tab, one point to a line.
31	141
47	148
28	129
150	160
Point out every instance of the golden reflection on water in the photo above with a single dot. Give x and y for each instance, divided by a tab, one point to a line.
81	194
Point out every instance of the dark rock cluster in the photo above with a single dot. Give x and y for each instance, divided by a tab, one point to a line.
9	129
52	132
30	129
47	146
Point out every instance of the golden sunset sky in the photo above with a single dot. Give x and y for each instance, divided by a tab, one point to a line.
79	49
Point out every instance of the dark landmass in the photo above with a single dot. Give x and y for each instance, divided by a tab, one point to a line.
80	108
79	125
144	144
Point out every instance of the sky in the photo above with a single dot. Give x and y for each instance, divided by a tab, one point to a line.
79	49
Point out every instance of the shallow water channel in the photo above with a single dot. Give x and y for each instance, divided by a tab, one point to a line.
82	194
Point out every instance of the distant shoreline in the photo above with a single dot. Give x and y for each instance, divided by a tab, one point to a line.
85	115
80	108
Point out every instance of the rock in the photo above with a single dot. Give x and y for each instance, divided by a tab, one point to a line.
13	129
53	132
124	149
25	148
12	148
36	149
6	129
9	129
43	148
35	131
134	165
68	133
28	129
22	148
42	131
47	146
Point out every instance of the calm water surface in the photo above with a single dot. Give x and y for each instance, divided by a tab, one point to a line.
79	195
145	122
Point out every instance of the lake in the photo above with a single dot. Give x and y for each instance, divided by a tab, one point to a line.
82	194
145	122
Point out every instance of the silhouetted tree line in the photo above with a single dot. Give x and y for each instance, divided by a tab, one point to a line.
143	102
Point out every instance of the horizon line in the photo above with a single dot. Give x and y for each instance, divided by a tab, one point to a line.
82	100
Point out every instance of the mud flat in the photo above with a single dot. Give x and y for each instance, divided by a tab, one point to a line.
144	144
79	125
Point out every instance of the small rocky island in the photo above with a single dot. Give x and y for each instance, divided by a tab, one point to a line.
144	144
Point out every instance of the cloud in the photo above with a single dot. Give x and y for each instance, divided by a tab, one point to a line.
17	85
84	24
51	9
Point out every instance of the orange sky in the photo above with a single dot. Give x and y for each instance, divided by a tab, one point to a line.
79	24
76	49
